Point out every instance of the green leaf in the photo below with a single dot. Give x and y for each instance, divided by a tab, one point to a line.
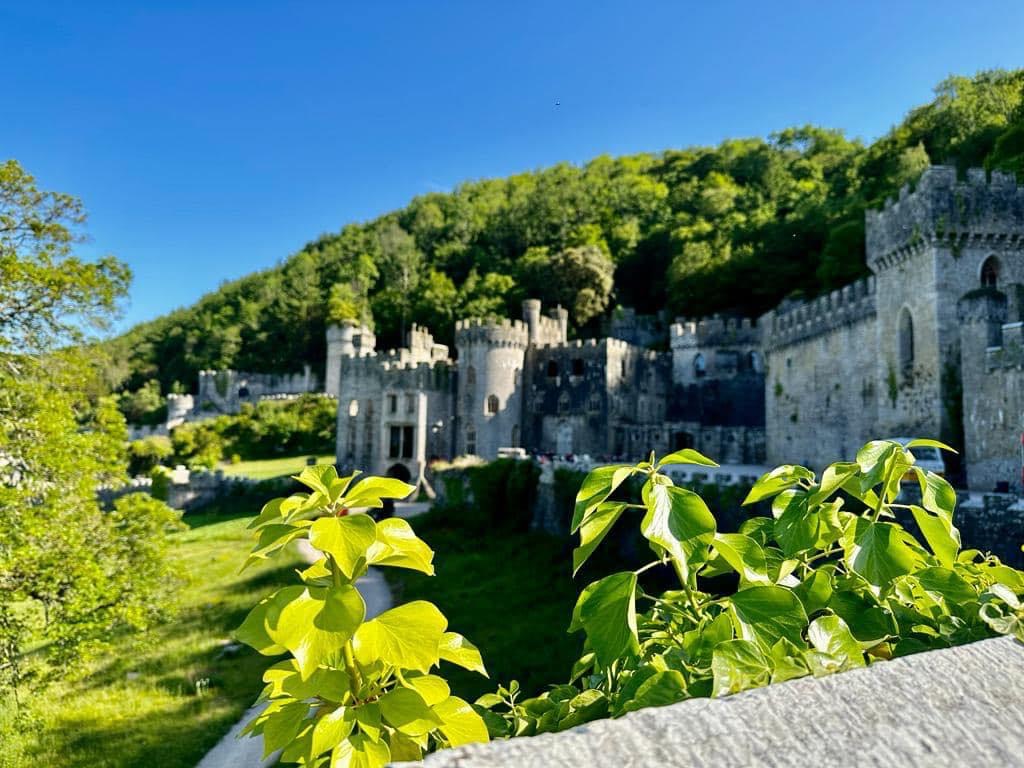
686	456
788	662
937	495
878	551
330	730
797	527
369	491
399	547
346	539
253	631
405	709
758	528
816	589
947	584
458	650
744	555
403	748
432	688
832	479
460	723
407	637
870	621
271	539
835	648
776	481
923	442
368	717
359	751
314	623
738	665
592	531
318	478
677	523
607	613
766	613
597	486
284	679
282	725
874	455
657	690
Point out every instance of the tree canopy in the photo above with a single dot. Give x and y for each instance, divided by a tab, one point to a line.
678	230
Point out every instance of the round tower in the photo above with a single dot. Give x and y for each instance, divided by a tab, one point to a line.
346	340
489	393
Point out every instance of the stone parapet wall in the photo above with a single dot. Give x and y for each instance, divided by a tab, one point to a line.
793	322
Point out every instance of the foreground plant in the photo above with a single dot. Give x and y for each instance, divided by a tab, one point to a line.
352	692
829	582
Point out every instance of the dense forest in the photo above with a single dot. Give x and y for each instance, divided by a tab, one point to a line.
732	228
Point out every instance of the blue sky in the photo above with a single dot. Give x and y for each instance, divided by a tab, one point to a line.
211	139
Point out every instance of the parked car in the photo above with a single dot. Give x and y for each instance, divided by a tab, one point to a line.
926	457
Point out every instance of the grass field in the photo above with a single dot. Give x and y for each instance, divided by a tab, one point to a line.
510	593
267	468
142	704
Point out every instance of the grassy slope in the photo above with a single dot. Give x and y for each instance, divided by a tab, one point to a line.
268	468
509	593
156	719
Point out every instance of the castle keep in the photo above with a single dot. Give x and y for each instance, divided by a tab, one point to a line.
930	344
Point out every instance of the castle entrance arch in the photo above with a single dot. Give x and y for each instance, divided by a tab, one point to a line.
563	438
400	472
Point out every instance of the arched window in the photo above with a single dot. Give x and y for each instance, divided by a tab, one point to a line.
470	440
906	341
700	366
492	404
990	272
353	408
552	368
594	402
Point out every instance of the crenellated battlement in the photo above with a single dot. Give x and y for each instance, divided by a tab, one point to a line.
944	210
499	333
795	321
714	331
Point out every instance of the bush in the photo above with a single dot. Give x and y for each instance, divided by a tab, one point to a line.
146	406
145	454
161	477
503	492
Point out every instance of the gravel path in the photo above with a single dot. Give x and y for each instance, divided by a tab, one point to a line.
233	752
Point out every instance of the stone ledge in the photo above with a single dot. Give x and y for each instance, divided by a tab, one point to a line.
959	706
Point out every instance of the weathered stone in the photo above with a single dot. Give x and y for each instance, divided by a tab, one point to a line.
955	707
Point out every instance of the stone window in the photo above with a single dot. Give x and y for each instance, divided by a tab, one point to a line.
400	443
410	403
470	440
594	402
700	366
353	408
906	342
552	368
392	403
492	404
990	272
577	366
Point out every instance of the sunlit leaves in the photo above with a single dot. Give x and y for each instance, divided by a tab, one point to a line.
606	611
314	623
678	524
399	547
878	551
738	665
594	528
345	539
765	614
460	724
778	480
407	637
458	650
598	485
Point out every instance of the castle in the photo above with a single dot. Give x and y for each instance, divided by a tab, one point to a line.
930	344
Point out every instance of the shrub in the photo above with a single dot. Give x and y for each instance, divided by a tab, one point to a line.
359	690
828	583
145	454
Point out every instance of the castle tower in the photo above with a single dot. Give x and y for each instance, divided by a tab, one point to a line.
346	340
489	393
714	348
927	250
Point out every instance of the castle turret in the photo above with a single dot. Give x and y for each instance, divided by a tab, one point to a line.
531	316
489	404
346	340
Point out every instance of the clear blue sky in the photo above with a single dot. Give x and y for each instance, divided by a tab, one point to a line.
211	139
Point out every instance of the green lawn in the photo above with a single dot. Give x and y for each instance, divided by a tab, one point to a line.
139	705
510	593
268	468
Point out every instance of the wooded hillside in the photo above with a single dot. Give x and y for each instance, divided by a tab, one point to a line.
732	228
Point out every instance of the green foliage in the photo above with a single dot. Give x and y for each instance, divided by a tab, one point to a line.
263	430
145	406
679	229
829	582
502	493
149	452
353	691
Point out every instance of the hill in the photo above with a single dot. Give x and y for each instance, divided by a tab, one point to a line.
732	228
